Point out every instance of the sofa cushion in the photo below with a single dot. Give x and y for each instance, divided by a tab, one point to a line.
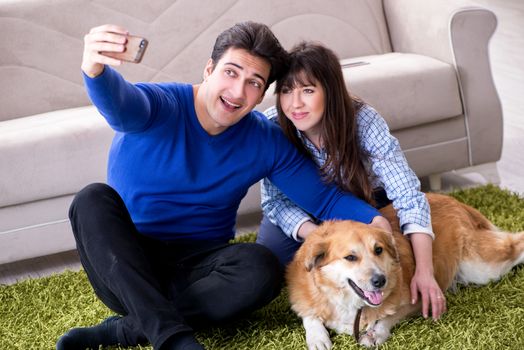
407	89
34	229
181	35
52	154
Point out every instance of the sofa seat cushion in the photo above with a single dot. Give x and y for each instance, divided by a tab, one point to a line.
52	154
407	89
34	229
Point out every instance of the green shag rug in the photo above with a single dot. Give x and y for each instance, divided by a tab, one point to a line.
34	313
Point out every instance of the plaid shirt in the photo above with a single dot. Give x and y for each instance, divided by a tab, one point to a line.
387	168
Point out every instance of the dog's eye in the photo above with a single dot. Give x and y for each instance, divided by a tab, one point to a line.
351	258
378	250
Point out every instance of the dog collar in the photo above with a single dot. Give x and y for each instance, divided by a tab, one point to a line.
356	325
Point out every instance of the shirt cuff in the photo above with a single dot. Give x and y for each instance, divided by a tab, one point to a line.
294	234
416	228
96	76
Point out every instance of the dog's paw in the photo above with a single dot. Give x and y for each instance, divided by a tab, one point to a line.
375	335
319	344
317	336
318	340
367	339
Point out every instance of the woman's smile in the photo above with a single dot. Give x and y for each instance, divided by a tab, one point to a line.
299	115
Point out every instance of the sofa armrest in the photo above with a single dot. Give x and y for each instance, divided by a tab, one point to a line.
459	36
482	106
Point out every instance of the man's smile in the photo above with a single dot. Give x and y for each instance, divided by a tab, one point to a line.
230	106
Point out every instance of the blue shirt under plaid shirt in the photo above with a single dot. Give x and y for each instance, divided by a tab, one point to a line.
387	167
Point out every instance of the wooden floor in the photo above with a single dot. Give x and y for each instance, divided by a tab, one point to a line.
507	57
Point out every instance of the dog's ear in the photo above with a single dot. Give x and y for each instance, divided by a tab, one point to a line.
390	246
315	247
315	255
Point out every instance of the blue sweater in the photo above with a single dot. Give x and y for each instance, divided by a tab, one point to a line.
179	182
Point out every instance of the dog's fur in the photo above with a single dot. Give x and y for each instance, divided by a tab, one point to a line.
344	266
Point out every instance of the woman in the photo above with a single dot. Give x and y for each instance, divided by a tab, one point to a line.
352	145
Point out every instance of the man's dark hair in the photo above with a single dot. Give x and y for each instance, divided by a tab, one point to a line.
258	40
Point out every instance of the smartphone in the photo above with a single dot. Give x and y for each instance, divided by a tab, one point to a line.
133	52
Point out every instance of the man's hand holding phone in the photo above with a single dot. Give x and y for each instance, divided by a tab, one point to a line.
110	44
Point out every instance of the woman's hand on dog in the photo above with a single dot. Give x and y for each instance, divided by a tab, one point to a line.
423	280
378	222
306	228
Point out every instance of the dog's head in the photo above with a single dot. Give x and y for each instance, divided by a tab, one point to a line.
352	257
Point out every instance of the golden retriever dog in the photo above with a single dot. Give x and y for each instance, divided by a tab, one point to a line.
345	266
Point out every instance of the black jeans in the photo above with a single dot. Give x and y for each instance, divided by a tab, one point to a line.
165	287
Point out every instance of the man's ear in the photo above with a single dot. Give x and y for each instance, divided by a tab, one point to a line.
209	68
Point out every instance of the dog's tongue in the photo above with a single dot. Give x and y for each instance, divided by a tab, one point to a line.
374	298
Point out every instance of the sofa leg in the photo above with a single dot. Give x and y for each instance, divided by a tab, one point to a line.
435	182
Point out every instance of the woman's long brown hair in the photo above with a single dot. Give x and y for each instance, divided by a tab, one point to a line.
313	63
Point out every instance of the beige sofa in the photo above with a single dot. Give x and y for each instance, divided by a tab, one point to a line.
424	66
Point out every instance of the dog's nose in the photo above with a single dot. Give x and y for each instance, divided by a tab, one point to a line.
378	281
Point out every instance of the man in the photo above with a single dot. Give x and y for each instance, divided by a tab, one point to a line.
154	242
